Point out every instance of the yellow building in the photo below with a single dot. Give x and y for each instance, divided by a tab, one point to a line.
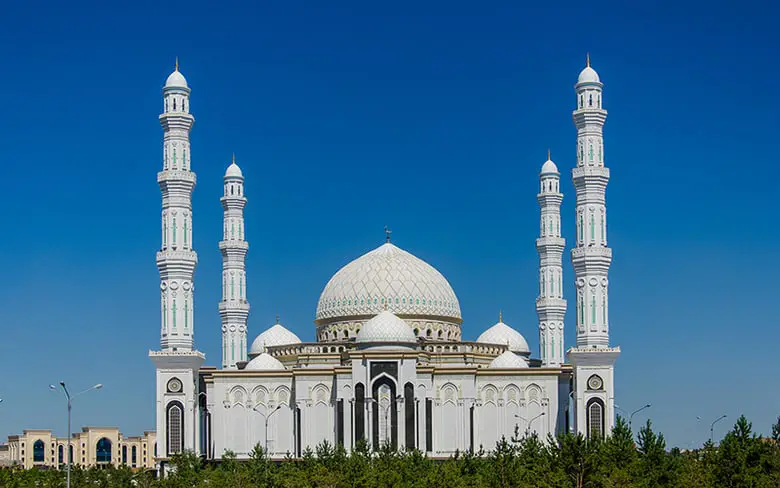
93	446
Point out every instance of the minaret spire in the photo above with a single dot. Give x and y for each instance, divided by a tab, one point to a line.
177	64
234	307
587	60
550	305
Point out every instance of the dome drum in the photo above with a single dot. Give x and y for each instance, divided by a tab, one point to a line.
424	328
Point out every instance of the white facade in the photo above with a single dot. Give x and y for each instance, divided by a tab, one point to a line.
389	364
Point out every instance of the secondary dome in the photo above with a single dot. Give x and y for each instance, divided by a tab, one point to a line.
176	80
264	362
508	360
277	335
386	327
505	335
388	277
233	171
549	167
588	75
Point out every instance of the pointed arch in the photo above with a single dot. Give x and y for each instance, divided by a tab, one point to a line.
238	395
282	395
320	394
512	394
489	394
260	395
449	393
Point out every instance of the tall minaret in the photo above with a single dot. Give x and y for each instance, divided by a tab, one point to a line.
591	256
234	308
593	359
550	305
177	363
176	259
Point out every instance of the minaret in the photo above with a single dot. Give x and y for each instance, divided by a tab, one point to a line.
234	308
550	305
591	256
176	259
593	360
177	363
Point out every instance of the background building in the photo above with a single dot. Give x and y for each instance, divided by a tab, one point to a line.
93	446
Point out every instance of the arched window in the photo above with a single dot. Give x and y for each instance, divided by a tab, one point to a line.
124	454
409	415
38	451
133	456
360	410
595	411
103	451
70	454
60	454
175	427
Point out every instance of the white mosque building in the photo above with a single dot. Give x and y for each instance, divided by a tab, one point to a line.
389	365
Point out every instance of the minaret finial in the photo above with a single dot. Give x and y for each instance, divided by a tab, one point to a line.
587	59
234	158
548	154
177	63
277	319
387	234
500	315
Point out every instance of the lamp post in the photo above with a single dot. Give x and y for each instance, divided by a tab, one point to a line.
712	425
530	422
266	417
70	405
631	417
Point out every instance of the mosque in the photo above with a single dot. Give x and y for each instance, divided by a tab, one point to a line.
389	365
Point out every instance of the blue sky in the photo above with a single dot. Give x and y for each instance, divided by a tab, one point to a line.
431	118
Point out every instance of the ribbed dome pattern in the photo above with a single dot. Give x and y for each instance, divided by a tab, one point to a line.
388	277
386	327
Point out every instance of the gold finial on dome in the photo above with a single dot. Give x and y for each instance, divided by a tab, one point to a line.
387	234
234	162
277	319
587	60
177	63
501	316
548	154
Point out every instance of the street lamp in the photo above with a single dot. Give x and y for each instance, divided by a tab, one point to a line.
70	399
266	417
631	417
712	425
530	422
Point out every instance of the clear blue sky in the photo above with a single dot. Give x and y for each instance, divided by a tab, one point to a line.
432	118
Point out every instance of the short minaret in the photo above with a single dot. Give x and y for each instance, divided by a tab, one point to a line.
550	305
234	308
592	359
177	362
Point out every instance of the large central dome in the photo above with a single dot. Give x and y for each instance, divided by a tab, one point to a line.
387	278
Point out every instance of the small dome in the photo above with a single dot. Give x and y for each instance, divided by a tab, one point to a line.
386	327
264	362
176	80
233	171
588	75
508	360
505	335
549	167
277	335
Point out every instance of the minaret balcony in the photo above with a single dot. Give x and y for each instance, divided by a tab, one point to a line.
595	252
230	244
551	243
173	176
591	172
234	305
172	257
551	304
589	115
